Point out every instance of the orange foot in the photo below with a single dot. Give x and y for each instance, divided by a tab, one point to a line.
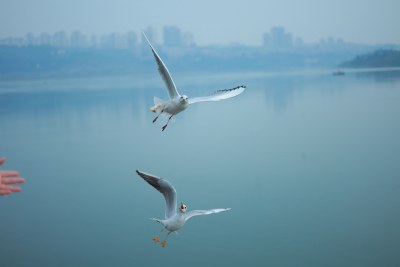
155	239
163	243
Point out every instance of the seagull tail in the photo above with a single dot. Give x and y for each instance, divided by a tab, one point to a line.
158	105
157	220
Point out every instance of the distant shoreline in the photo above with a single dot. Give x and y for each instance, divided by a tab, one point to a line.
185	78
40	62
382	58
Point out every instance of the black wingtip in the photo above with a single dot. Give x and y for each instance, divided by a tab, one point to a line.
230	90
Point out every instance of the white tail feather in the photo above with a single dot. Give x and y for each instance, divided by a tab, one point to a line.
158	105
157	220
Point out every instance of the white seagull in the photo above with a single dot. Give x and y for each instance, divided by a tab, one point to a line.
175	217
177	102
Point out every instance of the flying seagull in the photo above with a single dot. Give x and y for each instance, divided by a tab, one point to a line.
177	102
175	217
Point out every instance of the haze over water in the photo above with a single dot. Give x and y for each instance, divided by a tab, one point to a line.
222	22
307	162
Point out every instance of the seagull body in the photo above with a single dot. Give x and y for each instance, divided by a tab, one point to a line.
175	217
174	223
178	102
171	107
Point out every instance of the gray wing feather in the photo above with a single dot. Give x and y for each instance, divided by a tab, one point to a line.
165	75
165	188
219	95
192	213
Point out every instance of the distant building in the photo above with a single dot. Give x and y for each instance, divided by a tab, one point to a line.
45	39
172	36
13	41
78	39
151	34
132	40
106	41
331	43
60	39
278	38
30	39
94	41
118	41
266	40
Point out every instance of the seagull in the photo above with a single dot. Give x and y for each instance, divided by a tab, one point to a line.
178	102
175	217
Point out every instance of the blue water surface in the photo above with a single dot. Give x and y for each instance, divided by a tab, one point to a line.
308	162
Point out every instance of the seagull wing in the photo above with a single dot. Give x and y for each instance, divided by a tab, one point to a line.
165	188
162	69
192	213
219	95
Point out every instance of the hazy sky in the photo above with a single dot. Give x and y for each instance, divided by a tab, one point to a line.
210	21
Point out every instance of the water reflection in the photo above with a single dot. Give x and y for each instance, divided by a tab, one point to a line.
308	164
390	75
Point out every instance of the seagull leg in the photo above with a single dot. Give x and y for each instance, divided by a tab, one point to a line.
155	239
165	126
165	240
157	116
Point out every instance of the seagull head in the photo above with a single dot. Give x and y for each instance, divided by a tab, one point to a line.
182	208
183	99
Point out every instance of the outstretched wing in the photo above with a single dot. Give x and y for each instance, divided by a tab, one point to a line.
162	69
219	95
192	213
165	188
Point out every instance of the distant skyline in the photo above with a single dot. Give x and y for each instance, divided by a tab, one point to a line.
211	22
277	38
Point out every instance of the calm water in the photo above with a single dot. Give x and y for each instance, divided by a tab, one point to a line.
309	164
